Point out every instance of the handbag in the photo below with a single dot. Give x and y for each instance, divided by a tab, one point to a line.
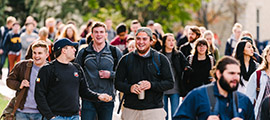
14	103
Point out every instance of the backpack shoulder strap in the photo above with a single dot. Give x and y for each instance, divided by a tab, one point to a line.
258	73
156	62
84	54
235	99
211	96
114	55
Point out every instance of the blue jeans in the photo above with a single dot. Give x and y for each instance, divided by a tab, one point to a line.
94	110
2	61
28	116
174	99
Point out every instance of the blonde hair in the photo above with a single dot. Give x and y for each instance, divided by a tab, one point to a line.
43	31
51	19
41	44
60	29
11	19
246	34
264	64
63	34
236	26
212	46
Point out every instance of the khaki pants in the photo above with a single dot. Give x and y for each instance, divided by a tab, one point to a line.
150	114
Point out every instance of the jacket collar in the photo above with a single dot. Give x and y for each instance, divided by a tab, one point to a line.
148	55
106	49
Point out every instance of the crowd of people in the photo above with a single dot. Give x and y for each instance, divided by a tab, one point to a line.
147	66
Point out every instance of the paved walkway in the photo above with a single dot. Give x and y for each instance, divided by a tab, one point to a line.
4	90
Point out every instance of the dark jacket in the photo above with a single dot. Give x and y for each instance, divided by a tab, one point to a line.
58	88
133	68
12	42
196	106
179	63
265	109
93	62
16	76
230	45
182	40
186	49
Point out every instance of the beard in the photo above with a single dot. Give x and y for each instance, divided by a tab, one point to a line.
226	85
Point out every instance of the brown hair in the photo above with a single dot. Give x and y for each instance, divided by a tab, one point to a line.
222	64
99	24
41	44
200	41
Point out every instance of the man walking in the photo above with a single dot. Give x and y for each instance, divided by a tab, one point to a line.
219	100
16	80
143	75
60	83
98	61
193	34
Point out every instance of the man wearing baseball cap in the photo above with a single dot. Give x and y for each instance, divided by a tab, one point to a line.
143	75
60	83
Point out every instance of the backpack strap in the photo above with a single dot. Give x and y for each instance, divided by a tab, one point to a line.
84	54
258	73
211	97
156	62
23	92
235	99
114	55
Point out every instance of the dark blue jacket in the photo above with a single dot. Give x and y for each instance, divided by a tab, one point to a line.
197	106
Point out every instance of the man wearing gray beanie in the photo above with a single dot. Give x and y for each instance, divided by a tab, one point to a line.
143	75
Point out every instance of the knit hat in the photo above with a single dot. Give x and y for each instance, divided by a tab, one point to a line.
146	30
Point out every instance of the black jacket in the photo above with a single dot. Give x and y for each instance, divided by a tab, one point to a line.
58	88
179	62
186	49
133	68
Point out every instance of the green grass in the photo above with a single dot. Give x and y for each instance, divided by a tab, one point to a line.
6	63
3	103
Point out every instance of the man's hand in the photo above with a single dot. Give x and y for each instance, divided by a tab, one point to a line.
145	85
213	117
24	83
237	118
104	74
105	97
135	88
